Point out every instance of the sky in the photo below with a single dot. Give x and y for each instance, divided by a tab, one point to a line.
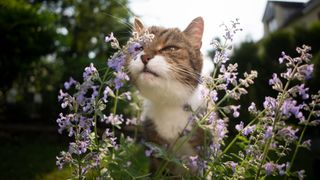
179	13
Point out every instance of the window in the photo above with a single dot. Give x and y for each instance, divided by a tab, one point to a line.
273	25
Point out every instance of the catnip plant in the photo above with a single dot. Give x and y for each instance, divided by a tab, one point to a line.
99	148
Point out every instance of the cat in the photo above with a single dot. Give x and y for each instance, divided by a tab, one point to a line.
167	73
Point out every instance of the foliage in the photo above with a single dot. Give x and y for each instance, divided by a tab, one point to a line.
23	29
46	40
264	144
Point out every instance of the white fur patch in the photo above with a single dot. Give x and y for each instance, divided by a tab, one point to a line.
171	119
165	97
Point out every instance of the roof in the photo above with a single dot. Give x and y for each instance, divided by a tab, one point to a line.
311	5
269	10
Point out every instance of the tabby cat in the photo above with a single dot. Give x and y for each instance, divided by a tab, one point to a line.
167	73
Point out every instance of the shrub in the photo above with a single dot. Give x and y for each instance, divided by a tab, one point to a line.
261	147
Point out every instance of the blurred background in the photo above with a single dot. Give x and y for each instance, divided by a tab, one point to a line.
44	42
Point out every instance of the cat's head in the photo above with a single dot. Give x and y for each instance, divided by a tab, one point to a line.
168	68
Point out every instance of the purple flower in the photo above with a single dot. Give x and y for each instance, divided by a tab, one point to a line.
288	133
249	149
69	83
117	62
274	80
283	54
295	110
193	160
221	128
214	95
120	77
113	142
89	72
306	144
248	130
106	93
306	70
302	91
268	133
132	121
134	48
95	92
286	107
228	75
235	110
269	168
280	168
287	74
63	123
115	120
96	159
204	92
86	107
289	106
213	116
62	95
239	127
252	108
85	123
78	148
148	152
270	103
301	174
281	60
109	38
107	134
219	132
232	165
127	95
220	57
315	122
65	157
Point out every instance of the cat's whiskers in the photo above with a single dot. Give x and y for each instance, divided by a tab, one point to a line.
121	21
187	84
195	75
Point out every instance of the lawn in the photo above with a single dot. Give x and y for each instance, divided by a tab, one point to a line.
30	155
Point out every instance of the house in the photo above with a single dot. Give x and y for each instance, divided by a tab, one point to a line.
287	14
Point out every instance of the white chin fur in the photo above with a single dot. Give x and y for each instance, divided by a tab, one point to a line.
162	88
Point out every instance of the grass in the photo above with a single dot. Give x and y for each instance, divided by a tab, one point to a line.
30	155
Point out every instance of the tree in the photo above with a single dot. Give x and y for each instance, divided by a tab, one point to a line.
45	42
27	34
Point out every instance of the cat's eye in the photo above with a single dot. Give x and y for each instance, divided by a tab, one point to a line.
170	48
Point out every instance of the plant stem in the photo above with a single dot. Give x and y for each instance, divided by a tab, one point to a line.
239	134
95	116
115	105
299	141
276	119
96	102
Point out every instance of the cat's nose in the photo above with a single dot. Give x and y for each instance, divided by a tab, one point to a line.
146	58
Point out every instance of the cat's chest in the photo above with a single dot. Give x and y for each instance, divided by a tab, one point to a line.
169	121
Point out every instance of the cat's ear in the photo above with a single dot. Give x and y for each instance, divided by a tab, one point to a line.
194	32
138	25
